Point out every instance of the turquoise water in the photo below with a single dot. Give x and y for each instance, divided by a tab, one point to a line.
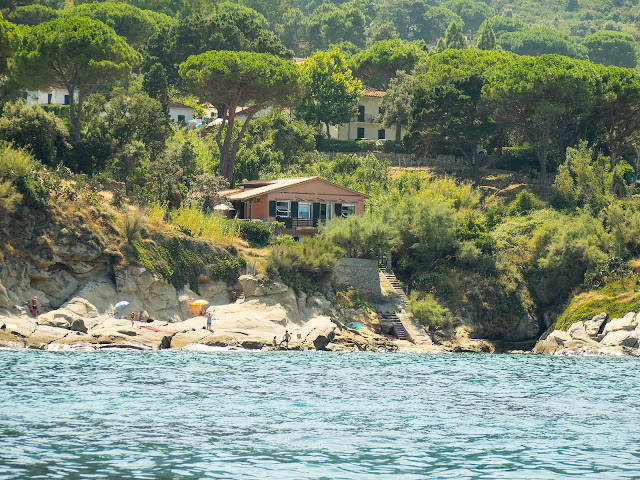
191	415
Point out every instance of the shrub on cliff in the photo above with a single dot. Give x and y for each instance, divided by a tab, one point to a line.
306	266
256	233
360	237
427	310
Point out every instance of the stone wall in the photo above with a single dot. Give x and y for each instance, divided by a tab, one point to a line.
360	273
405	160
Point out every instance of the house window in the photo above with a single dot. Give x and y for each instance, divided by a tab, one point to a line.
361	113
381	134
304	210
360	132
283	208
66	99
181	119
348	210
49	98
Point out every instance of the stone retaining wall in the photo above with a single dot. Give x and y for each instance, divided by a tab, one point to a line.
359	273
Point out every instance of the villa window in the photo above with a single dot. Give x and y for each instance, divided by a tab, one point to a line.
361	113
360	132
283	208
348	210
304	211
381	134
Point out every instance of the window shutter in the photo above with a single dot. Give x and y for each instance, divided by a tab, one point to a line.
338	209
294	209
316	210
272	208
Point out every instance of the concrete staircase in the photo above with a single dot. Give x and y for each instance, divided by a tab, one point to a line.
405	326
398	328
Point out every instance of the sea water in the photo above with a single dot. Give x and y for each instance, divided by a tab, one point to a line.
293	415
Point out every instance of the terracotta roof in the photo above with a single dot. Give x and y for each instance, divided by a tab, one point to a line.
298	60
273	185
179	105
372	92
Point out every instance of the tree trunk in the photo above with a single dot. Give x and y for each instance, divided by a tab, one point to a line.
398	132
74	116
542	160
225	148
328	131
475	169
500	141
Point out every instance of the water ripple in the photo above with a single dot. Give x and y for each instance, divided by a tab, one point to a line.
246	415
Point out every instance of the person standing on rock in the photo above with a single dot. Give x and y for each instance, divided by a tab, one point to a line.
286	338
209	321
34	305
275	342
133	318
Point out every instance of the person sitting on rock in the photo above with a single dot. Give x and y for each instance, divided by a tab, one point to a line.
140	316
234	295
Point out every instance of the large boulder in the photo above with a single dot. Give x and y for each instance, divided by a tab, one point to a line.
628	322
624	338
593	326
554	342
577	331
256	286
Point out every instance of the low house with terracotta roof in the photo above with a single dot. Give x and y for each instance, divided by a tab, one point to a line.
300	203
365	126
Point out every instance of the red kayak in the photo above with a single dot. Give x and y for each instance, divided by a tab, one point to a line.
148	327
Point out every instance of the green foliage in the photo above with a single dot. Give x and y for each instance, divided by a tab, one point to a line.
541	41
32	15
377	65
524	203
612	48
427	310
454	37
223	30
359	237
128	21
306	265
235	79
616	299
396	102
353	146
352	297
132	226
73	52
472	13
35	130
486	38
582	182
333	92
9	198
257	234
182	261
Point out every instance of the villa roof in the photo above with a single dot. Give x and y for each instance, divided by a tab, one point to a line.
179	105
372	92
255	188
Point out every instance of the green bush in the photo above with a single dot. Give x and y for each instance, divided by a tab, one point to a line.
352	146
360	237
256	233
306	265
517	158
427	310
524	203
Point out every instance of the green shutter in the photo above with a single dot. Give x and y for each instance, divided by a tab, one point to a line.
294	209
338	209
272	208
316	210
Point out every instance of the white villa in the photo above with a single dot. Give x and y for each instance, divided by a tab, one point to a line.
365	126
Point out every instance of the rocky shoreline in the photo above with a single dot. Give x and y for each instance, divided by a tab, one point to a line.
598	336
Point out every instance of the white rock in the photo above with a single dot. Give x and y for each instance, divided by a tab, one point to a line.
592	326
628	322
622	338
